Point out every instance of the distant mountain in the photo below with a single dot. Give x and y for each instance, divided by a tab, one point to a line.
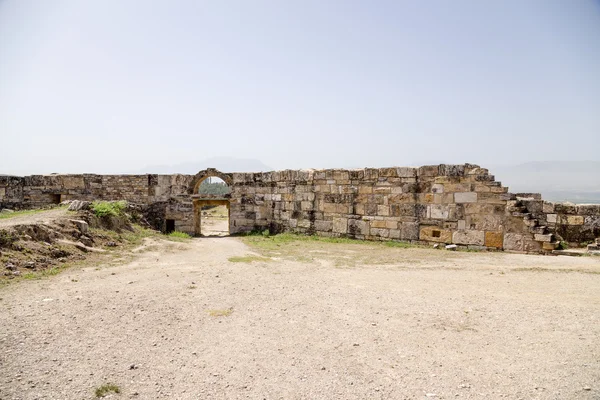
223	164
575	181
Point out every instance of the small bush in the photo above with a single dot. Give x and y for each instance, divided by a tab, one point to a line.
562	245
107	388
109	208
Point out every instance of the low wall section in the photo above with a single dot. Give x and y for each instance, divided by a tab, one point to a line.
459	204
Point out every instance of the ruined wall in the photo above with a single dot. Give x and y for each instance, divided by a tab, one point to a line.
459	204
43	190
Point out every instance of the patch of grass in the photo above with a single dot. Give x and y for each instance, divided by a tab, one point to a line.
179	235
105	389
109	208
562	245
248	259
220	312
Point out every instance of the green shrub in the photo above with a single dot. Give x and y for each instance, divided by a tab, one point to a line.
178	234
106	389
109	208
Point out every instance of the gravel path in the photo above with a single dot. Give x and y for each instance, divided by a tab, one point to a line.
42	217
185	323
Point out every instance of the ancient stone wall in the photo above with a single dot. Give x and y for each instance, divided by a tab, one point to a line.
450	204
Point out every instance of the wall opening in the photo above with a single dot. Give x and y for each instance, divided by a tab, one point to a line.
55	198
211	217
214	186
169	226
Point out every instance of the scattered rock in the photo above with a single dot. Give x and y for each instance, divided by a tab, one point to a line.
11	267
77	205
587	388
451	247
30	265
6	211
86	241
81	225
436	246
111	244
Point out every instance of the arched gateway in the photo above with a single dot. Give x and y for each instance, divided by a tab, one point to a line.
201	200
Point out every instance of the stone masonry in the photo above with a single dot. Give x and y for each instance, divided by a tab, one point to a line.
446	204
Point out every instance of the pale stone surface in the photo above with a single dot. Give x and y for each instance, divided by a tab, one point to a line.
465	197
542	238
468	237
438	211
513	241
551	218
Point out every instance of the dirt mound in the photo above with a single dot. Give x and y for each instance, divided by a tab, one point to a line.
38	244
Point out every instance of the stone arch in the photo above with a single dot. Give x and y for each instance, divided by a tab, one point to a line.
207	173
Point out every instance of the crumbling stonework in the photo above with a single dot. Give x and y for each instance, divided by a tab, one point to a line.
451	204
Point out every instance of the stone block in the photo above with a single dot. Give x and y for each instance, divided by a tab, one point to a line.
395	233
551	218
542	238
469	237
383	210
407	172
340	225
324	226
358	227
435	234
548	207
436	211
513	241
409	231
494	239
462	224
437	188
465	197
572	219
378	223
429	170
381	232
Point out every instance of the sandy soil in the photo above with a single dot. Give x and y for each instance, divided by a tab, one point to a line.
184	322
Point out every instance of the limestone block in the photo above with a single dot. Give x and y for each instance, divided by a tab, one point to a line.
436	211
2	192
542	238
469	237
395	233
457	187
384	233
340	225
409	231
551	218
429	170
384	210
435	234
365	189
462	224
465	197
494	239
533	246
437	188
358	227
572	219
513	241
391	224
303	223
406	172
378	224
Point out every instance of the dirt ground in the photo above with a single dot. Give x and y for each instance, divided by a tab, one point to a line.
215	221
306	321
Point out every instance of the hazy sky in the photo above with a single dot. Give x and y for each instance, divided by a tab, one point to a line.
115	85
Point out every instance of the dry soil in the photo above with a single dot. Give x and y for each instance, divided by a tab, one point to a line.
182	321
